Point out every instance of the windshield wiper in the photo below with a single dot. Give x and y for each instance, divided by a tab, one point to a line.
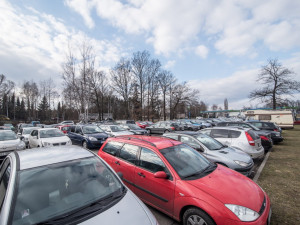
209	169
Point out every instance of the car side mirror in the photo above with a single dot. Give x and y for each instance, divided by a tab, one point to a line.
161	175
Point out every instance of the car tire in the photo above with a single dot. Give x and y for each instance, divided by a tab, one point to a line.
84	145
166	131
196	216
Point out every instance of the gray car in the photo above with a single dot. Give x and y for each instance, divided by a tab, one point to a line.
66	185
215	151
9	142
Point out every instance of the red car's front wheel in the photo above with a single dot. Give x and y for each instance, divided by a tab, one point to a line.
195	216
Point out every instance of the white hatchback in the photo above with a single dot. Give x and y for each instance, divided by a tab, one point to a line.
239	138
47	137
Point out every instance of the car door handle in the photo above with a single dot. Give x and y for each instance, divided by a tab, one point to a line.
141	174
117	162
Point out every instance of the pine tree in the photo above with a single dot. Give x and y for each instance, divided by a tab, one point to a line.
18	109
43	109
23	113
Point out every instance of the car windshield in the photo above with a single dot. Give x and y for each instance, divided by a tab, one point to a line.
7	135
51	133
65	192
133	127
209	142
28	130
91	129
117	128
186	161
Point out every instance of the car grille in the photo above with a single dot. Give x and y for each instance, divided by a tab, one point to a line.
101	139
57	144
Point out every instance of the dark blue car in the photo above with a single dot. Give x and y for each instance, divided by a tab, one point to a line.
88	136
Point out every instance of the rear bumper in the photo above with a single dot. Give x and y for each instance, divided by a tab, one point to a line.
277	139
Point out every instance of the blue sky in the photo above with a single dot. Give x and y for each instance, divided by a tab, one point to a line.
217	46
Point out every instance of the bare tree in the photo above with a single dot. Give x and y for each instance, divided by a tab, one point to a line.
277	82
31	92
122	82
140	67
165	79
6	86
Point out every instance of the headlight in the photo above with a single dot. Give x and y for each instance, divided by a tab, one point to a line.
92	139
21	145
241	163
243	213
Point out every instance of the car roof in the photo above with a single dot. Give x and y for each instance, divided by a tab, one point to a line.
32	158
154	141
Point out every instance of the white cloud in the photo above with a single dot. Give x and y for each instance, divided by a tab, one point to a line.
202	51
233	26
170	64
34	45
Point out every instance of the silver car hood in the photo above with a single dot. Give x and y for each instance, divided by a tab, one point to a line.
130	210
9	145
122	133
233	154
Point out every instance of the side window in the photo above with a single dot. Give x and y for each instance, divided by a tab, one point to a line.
150	161
189	140
78	130
259	125
235	134
4	180
34	133
128	153
219	133
112	148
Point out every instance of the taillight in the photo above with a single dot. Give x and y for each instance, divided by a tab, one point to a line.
173	128
264	138
250	139
276	130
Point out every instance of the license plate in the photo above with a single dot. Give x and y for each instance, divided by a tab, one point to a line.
269	217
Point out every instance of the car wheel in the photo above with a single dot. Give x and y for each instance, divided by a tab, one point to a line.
84	145
196	216
166	131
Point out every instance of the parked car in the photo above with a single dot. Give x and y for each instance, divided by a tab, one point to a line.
239	138
265	136
88	136
46	137
176	125
276	137
67	122
203	123
9	125
134	129
64	128
143	124
22	125
180	182
160	128
4	128
189	126
9	142
25	133
115	130
66	185
215	151
125	121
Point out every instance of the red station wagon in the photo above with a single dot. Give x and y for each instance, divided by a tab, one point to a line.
180	182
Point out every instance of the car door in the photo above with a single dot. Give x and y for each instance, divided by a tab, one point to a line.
125	162
5	177
156	191
221	135
78	135
71	134
33	139
109	152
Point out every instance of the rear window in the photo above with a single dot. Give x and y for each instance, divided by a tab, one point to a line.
253	134
219	133
235	134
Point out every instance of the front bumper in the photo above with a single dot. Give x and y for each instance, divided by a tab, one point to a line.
245	170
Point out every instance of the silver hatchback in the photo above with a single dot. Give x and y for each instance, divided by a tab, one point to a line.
215	151
65	185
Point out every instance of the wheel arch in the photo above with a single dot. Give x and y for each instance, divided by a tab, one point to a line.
182	211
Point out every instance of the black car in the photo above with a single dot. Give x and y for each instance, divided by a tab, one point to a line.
269	126
160	128
135	129
88	136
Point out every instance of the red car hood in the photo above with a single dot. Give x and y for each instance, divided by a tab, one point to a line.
230	187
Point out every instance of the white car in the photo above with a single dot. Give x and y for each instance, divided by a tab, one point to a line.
239	138
9	142
25	133
47	137
115	130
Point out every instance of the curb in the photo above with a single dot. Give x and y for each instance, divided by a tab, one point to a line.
262	165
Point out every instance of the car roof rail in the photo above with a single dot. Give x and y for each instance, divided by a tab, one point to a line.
140	139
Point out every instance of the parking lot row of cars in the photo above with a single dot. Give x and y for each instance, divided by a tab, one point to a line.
176	173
